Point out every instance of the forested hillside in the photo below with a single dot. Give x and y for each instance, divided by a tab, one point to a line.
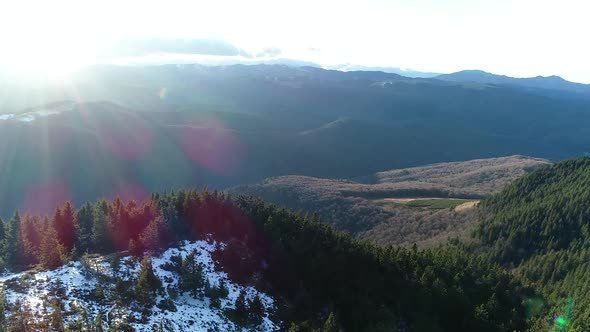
320	278
540	228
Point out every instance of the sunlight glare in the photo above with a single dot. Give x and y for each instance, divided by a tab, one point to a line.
39	45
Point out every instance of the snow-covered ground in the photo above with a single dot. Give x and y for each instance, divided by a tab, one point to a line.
78	282
40	112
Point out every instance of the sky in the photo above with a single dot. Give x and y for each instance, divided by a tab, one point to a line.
520	38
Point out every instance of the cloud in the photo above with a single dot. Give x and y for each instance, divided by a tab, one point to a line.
140	47
269	52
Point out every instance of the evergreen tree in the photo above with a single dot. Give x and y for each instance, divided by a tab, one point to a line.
256	312
18	318
152	235
56	319
64	222
13	245
100	238
31	232
191	275
135	248
241	308
98	323
84	216
50	250
147	283
2	234
331	324
3	320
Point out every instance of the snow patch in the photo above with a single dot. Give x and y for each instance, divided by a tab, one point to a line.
77	281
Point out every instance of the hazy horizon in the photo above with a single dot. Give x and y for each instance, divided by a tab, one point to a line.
514	38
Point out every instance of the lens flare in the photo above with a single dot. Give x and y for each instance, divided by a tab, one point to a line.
131	191
213	147
563	322
42	199
163	93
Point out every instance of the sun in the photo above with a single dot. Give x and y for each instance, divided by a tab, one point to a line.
43	43
54	58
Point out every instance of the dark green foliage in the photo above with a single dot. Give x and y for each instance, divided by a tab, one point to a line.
167	305
19	318
99	293
50	250
98	323
56	318
241	312
540	226
123	326
191	275
100	239
255	310
545	211
331	324
13	244
85	218
313	270
147	282
3	309
370	286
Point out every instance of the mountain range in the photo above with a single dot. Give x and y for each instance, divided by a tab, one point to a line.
544	83
144	129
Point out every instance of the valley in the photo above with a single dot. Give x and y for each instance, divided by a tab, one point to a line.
424	205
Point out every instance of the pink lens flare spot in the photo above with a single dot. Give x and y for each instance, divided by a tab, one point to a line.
44	198
213	147
131	191
129	139
163	93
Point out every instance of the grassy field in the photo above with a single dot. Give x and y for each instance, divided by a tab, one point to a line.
437	204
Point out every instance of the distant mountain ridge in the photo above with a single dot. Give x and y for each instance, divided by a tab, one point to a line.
168	126
539	82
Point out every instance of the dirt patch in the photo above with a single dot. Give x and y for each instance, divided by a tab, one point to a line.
466	205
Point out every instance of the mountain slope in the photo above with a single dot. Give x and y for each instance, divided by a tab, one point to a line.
143	129
313	276
540	228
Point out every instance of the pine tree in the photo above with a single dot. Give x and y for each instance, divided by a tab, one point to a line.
31	231
50	250
223	291
2	234
13	245
64	222
57	320
135	248
241	308
84	216
191	275
151	237
18	319
3	321
256	312
331	324
98	323
100	238
147	282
